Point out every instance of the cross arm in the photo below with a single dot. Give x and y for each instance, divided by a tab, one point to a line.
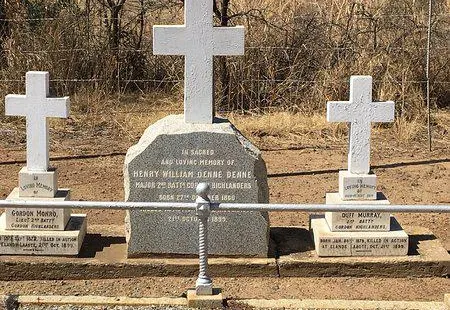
338	111
228	40
15	105
58	107
169	40
382	111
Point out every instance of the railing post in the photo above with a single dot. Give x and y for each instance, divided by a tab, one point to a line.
203	285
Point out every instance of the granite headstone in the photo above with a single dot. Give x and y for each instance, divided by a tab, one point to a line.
166	165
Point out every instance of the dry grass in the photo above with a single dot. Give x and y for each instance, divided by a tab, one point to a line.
118	124
288	126
286	129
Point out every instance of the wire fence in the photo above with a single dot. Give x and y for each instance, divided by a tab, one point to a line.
296	57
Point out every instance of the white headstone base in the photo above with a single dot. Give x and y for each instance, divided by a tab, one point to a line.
357	186
38	242
357	221
35	218
380	243
38	184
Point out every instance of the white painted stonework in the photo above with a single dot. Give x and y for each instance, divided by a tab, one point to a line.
37	218
42	184
357	186
360	112
198	40
37	107
357	221
362	243
39	242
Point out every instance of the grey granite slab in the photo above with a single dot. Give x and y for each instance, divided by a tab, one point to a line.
166	165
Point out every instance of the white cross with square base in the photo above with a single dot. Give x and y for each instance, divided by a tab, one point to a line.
360	112
36	107
198	40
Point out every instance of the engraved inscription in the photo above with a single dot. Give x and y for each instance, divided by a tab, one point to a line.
335	243
167	164
193	218
37	244
37	186
361	221
35	219
358	188
185	169
364	246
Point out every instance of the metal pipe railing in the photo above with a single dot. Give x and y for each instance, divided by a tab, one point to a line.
330	208
121	205
203	207
102	205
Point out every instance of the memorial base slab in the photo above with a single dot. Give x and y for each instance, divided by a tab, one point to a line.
39	242
37	218
357	221
375	243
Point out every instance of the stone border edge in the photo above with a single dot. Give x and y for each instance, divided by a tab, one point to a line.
330	304
12	302
91	300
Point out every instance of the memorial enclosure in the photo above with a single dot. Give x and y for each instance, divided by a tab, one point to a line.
338	108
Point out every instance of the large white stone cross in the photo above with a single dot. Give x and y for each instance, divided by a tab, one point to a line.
198	41
360	111
36	107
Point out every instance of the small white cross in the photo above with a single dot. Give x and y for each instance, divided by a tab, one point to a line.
36	107
198	41
360	111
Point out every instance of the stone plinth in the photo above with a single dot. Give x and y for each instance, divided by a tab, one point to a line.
357	186
39	242
377	243
357	221
35	218
171	158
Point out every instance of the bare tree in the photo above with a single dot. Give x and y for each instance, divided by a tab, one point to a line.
112	20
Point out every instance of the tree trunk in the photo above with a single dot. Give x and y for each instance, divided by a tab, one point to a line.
4	33
115	32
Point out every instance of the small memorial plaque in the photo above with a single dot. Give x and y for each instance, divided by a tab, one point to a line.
357	186
38	184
